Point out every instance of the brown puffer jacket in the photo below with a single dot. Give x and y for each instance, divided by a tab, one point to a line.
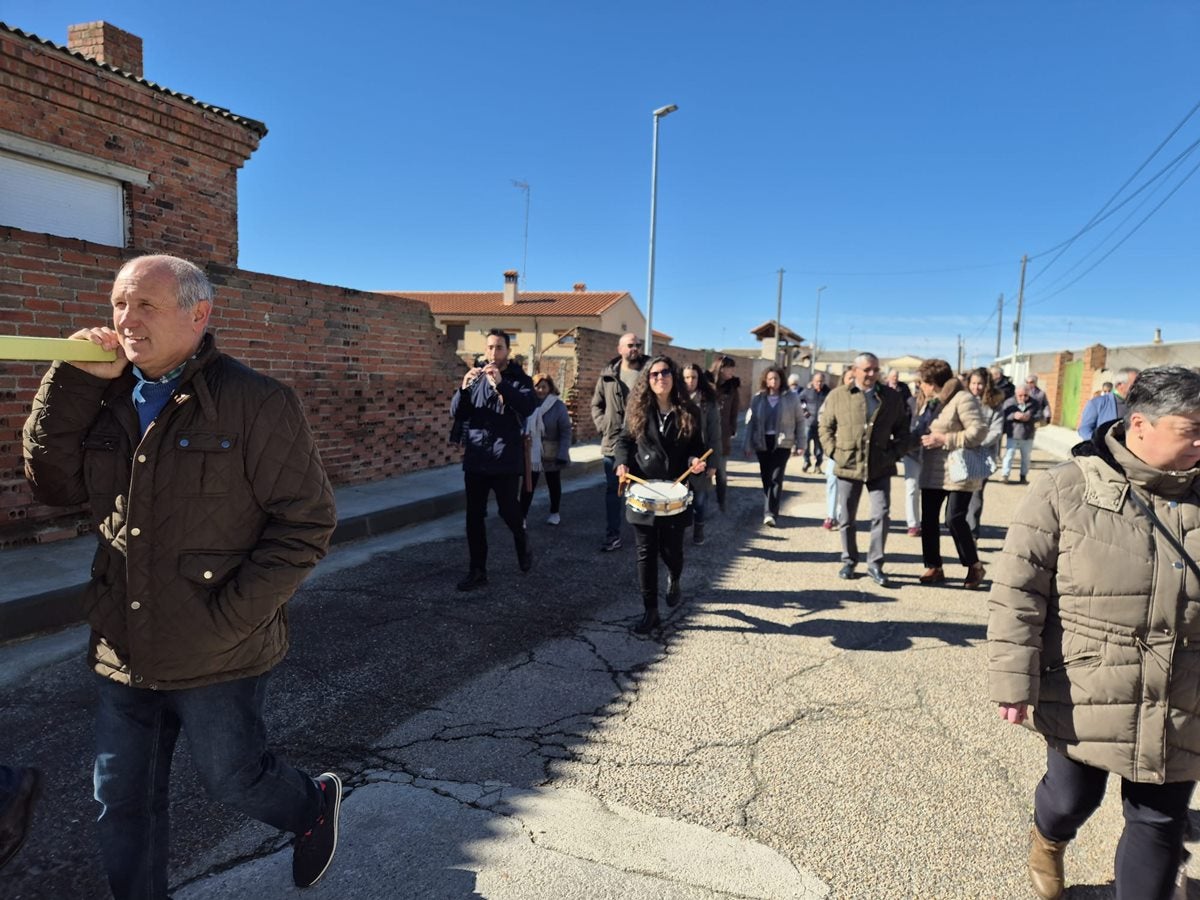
960	420
864	450
207	524
1095	618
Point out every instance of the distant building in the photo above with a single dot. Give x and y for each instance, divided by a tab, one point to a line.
537	322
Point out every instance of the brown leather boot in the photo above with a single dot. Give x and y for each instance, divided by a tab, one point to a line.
1046	866
933	576
974	577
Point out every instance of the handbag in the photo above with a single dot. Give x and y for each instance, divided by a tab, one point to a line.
550	450
970	464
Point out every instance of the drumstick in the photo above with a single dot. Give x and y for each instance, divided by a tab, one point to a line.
631	477
50	349
707	454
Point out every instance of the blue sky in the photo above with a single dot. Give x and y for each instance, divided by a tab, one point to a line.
904	154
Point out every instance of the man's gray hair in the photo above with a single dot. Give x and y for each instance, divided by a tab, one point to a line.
192	285
1164	391
865	356
1123	375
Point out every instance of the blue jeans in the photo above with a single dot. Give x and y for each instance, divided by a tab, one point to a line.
1025	445
136	731
612	503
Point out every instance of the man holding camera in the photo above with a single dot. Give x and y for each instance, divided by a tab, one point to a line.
489	410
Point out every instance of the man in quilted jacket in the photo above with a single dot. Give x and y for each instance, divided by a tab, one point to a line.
211	506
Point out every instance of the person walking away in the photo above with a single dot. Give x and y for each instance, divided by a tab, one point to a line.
489	410
773	427
865	429
1092	627
548	431
991	402
210	506
812	398
955	422
729	399
661	439
1108	406
701	392
1020	420
608	415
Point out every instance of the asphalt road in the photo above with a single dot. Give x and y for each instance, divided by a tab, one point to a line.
787	734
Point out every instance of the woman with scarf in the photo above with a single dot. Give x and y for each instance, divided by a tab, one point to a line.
774	426
702	393
661	440
548	431
949	419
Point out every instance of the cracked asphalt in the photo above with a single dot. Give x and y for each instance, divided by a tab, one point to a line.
786	735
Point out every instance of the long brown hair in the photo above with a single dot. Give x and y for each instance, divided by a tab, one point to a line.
704	388
642	401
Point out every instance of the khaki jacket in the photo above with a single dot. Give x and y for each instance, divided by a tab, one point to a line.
1095	619
207	524
864	450
608	406
961	421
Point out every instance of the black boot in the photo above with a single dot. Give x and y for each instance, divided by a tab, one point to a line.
649	622
698	533
674	591
525	559
476	578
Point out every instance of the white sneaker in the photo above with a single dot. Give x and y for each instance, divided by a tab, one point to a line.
769	520
553	519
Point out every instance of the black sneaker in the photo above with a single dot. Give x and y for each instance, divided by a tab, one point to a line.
476	578
16	817
313	851
649	622
611	543
525	560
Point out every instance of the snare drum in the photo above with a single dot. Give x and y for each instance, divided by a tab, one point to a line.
658	498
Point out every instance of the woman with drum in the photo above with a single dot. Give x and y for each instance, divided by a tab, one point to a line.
660	442
774	425
701	392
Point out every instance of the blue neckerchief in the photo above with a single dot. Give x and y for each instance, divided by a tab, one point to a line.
142	380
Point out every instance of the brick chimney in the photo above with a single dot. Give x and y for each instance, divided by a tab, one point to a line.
107	44
510	287
580	287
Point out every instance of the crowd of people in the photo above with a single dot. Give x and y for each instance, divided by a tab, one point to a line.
211	505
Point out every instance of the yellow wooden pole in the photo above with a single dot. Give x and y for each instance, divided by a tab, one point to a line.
50	349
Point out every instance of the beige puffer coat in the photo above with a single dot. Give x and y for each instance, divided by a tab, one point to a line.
961	422
1095	619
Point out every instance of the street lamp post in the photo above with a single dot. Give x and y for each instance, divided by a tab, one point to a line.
816	324
659	113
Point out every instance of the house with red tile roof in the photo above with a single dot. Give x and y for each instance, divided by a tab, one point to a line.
537	322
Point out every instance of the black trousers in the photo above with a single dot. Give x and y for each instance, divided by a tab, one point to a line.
772	463
553	485
956	521
1156	816
507	489
662	538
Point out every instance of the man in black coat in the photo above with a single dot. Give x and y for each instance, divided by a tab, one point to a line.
489	410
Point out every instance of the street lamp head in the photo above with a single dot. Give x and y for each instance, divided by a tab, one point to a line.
665	111
821	288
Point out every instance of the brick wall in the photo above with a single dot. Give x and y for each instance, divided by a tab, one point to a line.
192	154
373	373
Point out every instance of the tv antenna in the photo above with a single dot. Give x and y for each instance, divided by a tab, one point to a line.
524	186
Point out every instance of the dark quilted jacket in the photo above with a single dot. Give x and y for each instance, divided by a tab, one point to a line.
207	524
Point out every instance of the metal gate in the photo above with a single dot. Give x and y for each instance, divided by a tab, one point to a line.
1070	405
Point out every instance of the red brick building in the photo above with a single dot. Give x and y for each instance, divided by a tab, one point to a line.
98	165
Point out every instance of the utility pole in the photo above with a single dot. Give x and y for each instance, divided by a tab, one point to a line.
999	322
961	355
1017	320
778	313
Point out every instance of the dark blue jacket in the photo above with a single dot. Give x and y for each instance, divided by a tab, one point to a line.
489	429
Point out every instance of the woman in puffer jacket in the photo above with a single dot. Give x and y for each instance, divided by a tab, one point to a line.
1095	624
774	426
955	421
